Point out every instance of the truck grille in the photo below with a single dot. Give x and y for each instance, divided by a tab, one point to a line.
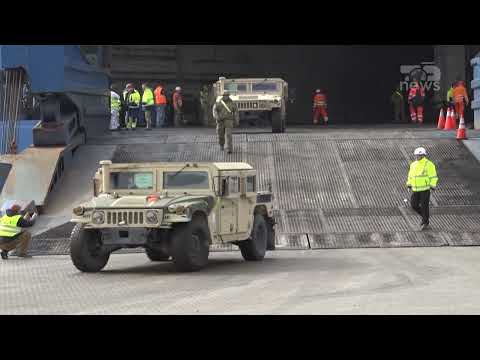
247	105
130	217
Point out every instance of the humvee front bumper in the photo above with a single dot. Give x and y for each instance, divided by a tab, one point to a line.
125	236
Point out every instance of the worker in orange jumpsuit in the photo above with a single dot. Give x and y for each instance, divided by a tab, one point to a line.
460	98
320	107
416	98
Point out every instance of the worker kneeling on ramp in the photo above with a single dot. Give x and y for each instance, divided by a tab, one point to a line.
11	233
422	178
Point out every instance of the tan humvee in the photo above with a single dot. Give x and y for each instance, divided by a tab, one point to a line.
255	97
173	210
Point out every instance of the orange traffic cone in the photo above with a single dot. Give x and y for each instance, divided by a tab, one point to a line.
462	131
441	120
450	124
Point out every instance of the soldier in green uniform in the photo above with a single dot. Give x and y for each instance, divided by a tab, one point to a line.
398	105
204	105
224	112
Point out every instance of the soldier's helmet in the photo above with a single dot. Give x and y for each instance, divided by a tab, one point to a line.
226	93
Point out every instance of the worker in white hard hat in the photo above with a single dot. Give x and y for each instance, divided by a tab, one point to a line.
178	107
422	178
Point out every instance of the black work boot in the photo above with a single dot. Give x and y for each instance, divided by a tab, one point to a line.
425	226
4	255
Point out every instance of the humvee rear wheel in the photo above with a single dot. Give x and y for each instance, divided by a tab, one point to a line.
278	125
255	247
156	255
190	244
86	249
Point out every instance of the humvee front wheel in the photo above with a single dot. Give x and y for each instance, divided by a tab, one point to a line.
156	255
278	122
190	244
86	250
270	236
255	247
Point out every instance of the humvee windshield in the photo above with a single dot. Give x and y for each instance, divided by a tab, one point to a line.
131	180
264	86
234	87
185	179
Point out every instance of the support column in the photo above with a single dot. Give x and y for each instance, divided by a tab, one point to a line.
475	84
452	63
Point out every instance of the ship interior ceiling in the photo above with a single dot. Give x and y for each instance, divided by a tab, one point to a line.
358	80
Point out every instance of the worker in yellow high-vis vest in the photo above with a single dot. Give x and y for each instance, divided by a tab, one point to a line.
115	107
133	106
422	178
12	234
147	104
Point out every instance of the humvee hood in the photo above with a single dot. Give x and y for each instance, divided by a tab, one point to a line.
141	201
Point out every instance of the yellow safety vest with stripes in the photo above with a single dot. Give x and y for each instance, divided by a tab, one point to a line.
422	175
134	98
115	103
8	226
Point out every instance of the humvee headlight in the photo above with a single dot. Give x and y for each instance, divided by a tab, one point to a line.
152	217
177	209
98	217
79	210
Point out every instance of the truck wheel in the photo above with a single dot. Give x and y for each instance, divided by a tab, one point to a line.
277	121
156	255
86	250
270	236
255	247
190	245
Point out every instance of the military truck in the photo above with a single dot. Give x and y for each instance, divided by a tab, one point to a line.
173	210
255	98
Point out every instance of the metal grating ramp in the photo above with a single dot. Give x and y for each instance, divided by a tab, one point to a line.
333	189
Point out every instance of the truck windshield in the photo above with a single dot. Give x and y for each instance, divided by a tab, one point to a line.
264	86
185	179
234	87
131	180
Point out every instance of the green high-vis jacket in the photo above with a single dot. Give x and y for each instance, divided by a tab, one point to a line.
422	175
